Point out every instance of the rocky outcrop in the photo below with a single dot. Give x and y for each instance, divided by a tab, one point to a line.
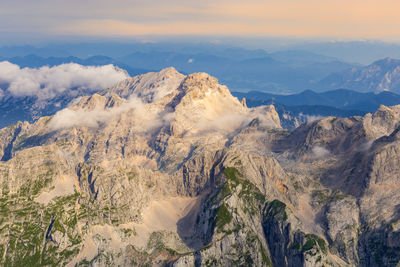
343	227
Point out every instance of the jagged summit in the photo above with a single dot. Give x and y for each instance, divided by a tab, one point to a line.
387	62
153	86
201	85
150	86
193	104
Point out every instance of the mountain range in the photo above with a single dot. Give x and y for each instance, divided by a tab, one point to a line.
34	61
238	68
168	169
296	69
341	99
381	75
293	109
357	52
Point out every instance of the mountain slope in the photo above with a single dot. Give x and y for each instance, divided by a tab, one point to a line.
309	105
168	169
379	76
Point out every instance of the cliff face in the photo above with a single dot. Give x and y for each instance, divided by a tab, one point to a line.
167	169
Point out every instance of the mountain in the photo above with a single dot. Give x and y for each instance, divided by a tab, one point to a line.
381	75
308	105
340	99
238	68
358	52
167	169
279	72
293	109
293	116
361	52
23	50
286	71
300	57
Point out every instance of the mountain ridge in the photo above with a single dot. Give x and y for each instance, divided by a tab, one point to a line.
381	75
338	98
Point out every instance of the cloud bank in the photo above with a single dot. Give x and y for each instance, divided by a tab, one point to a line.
146	120
48	82
311	118
320	152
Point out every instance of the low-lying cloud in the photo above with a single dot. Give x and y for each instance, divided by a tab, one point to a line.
223	124
48	82
146	120
320	152
366	146
229	122
311	118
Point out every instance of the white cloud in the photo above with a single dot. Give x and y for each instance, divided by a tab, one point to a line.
224	124
366	146
311	118
47	82
146	120
320	152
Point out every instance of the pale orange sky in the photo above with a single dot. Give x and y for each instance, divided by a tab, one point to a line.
348	19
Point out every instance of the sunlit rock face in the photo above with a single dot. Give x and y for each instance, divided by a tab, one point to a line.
167	169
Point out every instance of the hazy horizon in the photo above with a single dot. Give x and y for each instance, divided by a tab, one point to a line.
369	29
309	19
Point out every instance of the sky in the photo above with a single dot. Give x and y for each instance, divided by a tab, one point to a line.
309	19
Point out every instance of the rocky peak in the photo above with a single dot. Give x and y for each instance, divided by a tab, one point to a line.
150	86
243	102
382	122
381	75
90	102
203	104
200	85
387	63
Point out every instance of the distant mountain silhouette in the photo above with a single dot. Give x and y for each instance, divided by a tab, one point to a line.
381	75
281	72
34	61
339	99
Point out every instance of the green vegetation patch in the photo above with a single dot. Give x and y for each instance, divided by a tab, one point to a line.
277	209
264	256
25	225
232	174
320	196
223	217
249	193
314	241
